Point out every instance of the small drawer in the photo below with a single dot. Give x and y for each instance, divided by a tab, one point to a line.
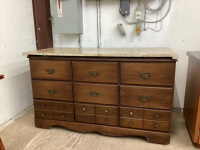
50	69
52	90
156	125
85	118
63	107
107	120
131	123
40	104
146	97
148	73
64	116
85	108
107	110
158	115
96	93
102	72
44	114
131	112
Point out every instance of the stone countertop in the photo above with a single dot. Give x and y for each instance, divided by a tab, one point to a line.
195	55
105	52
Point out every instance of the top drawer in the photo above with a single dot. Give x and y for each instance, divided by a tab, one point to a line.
51	69
148	73
95	72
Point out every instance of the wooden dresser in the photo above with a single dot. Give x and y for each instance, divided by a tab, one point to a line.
115	92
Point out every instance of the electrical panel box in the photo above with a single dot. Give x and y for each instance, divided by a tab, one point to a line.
67	16
125	7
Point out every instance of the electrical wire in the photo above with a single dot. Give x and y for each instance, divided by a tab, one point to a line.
99	22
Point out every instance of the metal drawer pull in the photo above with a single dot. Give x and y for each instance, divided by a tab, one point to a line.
62	107
106	111
43	115
130	124
52	91
156	116
63	116
94	73
42	105
106	121
144	98
50	71
84	109
156	126
94	94
84	118
145	75
131	113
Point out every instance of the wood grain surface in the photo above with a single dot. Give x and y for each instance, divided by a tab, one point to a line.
84	108
107	110
129	112
107	120
156	125
131	123
158	115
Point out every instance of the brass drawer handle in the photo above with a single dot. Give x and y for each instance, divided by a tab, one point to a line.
130	124
156	116
50	71
94	73
156	126
43	115
145	75
84	109
52	91
42	105
106	121
63	116
94	94
62	107
131	113
144	98
84	118
106	111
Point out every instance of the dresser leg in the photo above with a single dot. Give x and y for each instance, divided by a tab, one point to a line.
41	124
158	139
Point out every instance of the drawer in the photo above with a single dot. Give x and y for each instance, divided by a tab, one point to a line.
52	90
148	73
107	120
156	125
96	93
131	123
147	97
46	114
63	107
64	116
131	112
40	104
107	110
85	118
103	72
158	115
85	108
51	69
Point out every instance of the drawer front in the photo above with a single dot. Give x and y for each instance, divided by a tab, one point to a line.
107	120
148	97
64	116
52	90
131	123
148	73
101	72
131	112
63	107
158	115
51	69
44	114
85	108
40	104
156	125
96	93
107	110
85	118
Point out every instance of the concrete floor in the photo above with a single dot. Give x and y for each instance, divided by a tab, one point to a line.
23	135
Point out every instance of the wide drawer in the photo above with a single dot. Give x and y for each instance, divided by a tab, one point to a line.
148	73
107	120
131	123
51	69
147	97
96	93
63	107
52	90
40	104
156	125
107	110
158	115
64	116
85	118
85	108
104	72
44	114
131	112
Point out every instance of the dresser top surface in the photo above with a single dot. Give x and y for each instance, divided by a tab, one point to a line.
195	55
105	52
